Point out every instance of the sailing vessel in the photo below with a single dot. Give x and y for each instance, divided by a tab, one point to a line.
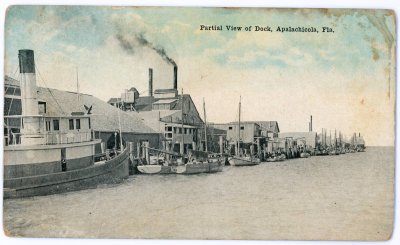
199	161
52	153
239	159
194	162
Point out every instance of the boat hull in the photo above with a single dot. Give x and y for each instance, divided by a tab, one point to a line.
238	161
305	155
202	167
276	159
154	169
112	171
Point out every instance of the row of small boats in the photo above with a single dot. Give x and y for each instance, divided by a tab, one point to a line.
187	168
194	163
213	164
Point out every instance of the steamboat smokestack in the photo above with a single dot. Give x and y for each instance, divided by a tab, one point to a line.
150	82
31	134
175	77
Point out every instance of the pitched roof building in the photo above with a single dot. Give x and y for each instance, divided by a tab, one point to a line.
167	112
105	119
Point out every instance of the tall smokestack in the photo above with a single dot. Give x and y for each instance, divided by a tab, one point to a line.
311	123
150	82
29	103
175	77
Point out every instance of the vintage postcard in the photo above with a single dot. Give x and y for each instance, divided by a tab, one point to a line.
199	123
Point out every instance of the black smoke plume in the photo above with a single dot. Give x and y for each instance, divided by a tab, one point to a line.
143	42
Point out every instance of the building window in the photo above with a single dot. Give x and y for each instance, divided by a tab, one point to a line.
180	130
42	107
56	125
78	123
185	130
168	135
71	124
241	127
47	125
230	128
174	130
90	126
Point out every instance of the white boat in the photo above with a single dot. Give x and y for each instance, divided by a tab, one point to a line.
243	161
154	169
199	167
53	153
279	158
305	155
198	162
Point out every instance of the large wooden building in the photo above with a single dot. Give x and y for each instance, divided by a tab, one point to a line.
169	113
104	121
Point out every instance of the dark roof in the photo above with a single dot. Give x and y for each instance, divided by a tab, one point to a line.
114	100
11	81
133	89
270	126
144	103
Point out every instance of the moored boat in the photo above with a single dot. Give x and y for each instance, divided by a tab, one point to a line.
196	162
239	159
53	153
243	161
279	158
199	167
154	169
305	155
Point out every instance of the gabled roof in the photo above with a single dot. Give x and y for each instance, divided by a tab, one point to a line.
270	126
144	103
11	81
114	100
104	117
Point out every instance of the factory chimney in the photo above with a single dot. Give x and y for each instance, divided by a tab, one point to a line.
175	77
29	102
311	123
150	82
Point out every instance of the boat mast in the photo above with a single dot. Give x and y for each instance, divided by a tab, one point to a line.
205	125
335	139
183	136
240	104
120	129
322	137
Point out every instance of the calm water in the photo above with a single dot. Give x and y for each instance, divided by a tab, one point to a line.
330	197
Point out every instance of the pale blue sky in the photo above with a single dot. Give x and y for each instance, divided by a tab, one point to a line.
284	75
